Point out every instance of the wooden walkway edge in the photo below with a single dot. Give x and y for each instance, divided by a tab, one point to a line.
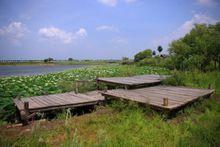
160	97
29	106
134	81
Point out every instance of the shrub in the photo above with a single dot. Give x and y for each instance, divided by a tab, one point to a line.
143	54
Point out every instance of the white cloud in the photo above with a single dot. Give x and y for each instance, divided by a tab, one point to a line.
206	2
185	28
53	33
14	31
110	3
80	34
106	27
130	1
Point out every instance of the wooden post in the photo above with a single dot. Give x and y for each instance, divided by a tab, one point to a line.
106	88
26	106
97	82
76	86
165	101
210	86
25	113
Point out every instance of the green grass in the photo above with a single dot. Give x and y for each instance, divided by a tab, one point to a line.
196	79
126	124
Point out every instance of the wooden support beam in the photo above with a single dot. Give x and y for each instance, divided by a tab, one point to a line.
25	113
210	86
26	106
98	82
77	87
165	101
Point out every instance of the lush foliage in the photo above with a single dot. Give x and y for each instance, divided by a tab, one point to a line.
143	54
25	86
200	49
159	49
126	61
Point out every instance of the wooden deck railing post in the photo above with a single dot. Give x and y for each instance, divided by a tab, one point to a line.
165	101
97	82
210	86
77	87
26	106
25	113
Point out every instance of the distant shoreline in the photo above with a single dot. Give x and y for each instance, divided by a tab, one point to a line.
57	63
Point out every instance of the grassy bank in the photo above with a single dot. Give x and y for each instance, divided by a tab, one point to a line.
122	124
118	123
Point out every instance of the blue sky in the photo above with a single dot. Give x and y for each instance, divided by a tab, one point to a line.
96	29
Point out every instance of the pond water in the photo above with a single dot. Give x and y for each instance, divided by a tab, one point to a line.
34	70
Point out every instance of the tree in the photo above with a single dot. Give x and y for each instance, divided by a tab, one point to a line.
143	54
70	59
159	49
125	60
48	59
199	49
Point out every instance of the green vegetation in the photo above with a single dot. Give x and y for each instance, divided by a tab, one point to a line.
119	123
197	50
126	124
142	55
25	86
159	49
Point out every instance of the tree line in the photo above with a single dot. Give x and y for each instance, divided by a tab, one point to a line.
197	50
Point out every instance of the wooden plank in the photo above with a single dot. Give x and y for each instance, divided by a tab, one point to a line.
158	94
62	107
177	96
186	91
142	97
19	104
133	81
166	93
56	101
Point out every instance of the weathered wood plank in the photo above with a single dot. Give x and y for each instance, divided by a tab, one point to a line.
57	101
133	81
19	104
155	96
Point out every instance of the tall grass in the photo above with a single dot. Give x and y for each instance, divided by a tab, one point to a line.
195	79
127	124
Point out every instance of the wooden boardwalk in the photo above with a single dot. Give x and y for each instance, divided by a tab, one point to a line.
162	97
28	106
135	81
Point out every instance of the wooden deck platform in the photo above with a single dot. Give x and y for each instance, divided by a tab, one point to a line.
162	97
134	81
28	106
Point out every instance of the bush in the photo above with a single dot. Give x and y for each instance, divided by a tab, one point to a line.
126	61
143	54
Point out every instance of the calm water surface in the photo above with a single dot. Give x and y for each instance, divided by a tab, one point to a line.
33	70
